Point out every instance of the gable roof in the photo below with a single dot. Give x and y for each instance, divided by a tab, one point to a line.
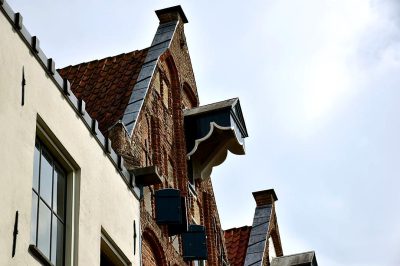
111	99
305	259
236	240
106	85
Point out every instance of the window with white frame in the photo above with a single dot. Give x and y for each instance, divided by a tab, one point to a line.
49	194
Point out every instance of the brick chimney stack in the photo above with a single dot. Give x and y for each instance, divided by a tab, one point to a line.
265	197
257	250
169	14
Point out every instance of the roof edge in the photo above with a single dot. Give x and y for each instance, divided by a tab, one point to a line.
202	109
171	13
161	42
265	197
63	85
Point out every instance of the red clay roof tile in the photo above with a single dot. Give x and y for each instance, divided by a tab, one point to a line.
236	240
106	85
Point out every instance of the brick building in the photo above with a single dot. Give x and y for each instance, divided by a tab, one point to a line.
135	150
260	244
126	145
147	103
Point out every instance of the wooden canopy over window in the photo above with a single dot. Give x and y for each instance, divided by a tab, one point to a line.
211	131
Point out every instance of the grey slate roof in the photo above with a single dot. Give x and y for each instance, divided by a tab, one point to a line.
160	44
258	235
304	259
210	107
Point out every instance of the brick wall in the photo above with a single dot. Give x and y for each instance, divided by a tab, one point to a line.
158	139
217	253
149	256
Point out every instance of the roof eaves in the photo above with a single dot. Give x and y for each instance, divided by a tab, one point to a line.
32	42
211	107
294	259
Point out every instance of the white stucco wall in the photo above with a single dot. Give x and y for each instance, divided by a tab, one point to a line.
105	201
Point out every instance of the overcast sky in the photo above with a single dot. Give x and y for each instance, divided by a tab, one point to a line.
318	82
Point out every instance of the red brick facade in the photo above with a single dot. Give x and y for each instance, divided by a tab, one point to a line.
141	101
160	134
157	139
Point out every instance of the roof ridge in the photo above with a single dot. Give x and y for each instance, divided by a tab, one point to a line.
295	254
219	102
236	228
104	58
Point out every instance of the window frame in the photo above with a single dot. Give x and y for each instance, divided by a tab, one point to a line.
111	251
55	217
72	177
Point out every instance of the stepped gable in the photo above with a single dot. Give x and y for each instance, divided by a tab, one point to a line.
236	240
106	85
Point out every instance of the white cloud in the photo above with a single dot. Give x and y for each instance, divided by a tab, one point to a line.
330	78
312	58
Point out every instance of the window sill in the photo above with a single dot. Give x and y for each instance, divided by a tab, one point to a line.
39	255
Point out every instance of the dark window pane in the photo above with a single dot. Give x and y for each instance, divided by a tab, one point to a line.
105	261
60	243
57	242
46	176
59	193
36	158
44	229
34	218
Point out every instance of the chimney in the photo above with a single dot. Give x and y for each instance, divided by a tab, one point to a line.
265	197
259	234
169	14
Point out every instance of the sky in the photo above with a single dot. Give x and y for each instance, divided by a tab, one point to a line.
318	82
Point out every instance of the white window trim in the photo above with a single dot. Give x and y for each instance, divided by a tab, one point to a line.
72	169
